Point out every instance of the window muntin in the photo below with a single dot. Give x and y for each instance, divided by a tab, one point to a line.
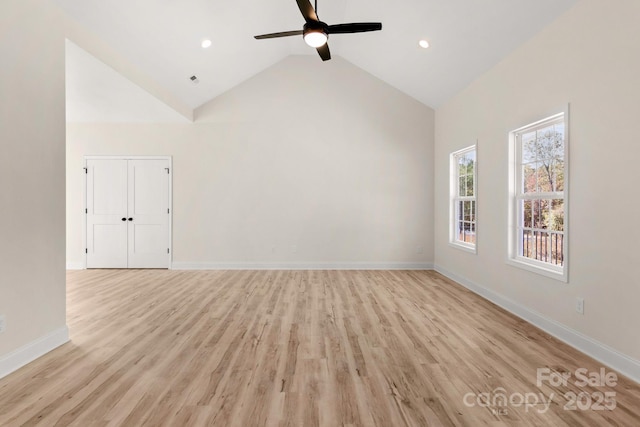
463	198
539	196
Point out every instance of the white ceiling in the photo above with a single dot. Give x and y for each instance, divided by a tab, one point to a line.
162	39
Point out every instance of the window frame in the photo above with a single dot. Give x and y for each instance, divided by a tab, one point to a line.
516	195
455	198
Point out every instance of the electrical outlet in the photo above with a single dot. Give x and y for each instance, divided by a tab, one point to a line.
273	249
3	323
294	249
580	305
420	250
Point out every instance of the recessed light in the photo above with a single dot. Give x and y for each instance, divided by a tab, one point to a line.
206	43
423	44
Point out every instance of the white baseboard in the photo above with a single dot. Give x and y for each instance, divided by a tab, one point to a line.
75	266
302	266
610	357
30	352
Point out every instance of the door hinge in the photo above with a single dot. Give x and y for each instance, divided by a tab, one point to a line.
86	251
167	250
167	210
86	210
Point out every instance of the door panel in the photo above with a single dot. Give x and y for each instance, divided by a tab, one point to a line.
148	235
149	238
106	206
149	187
109	246
109	185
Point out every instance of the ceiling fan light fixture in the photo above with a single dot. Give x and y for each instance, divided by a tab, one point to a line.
316	33
315	38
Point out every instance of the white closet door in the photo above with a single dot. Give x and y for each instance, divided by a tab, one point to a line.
106	213
148	204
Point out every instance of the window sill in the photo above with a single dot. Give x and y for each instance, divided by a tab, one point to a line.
548	272
466	248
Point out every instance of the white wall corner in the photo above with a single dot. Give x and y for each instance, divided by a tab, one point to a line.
30	352
610	357
301	266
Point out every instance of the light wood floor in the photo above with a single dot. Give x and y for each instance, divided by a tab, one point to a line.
294	348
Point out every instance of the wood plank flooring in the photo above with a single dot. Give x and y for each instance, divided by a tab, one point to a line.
298	348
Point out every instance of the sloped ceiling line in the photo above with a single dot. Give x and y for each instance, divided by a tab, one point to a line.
157	43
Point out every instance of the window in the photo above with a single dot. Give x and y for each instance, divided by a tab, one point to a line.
538	197
463	199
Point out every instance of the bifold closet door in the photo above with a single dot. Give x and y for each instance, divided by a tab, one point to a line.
128	213
107	213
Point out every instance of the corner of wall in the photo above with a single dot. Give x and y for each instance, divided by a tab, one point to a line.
33	350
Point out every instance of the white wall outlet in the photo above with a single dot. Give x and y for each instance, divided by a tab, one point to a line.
580	305
420	250
273	249
294	249
3	323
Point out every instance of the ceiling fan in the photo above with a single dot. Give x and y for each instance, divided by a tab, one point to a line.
316	32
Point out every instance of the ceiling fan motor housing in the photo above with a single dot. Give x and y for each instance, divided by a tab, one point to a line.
315	27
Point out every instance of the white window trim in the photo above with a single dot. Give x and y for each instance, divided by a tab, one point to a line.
453	189
545	269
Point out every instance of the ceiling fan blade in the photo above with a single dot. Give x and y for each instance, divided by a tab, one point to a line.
357	27
324	52
276	35
307	11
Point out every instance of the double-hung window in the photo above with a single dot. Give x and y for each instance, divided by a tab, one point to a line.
463	223
538	197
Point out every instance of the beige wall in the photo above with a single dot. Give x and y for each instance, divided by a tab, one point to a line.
587	58
32	173
320	156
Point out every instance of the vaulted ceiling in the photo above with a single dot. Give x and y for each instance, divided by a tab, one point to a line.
162	38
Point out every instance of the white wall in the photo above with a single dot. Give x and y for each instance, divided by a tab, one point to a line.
32	180
320	156
588	58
